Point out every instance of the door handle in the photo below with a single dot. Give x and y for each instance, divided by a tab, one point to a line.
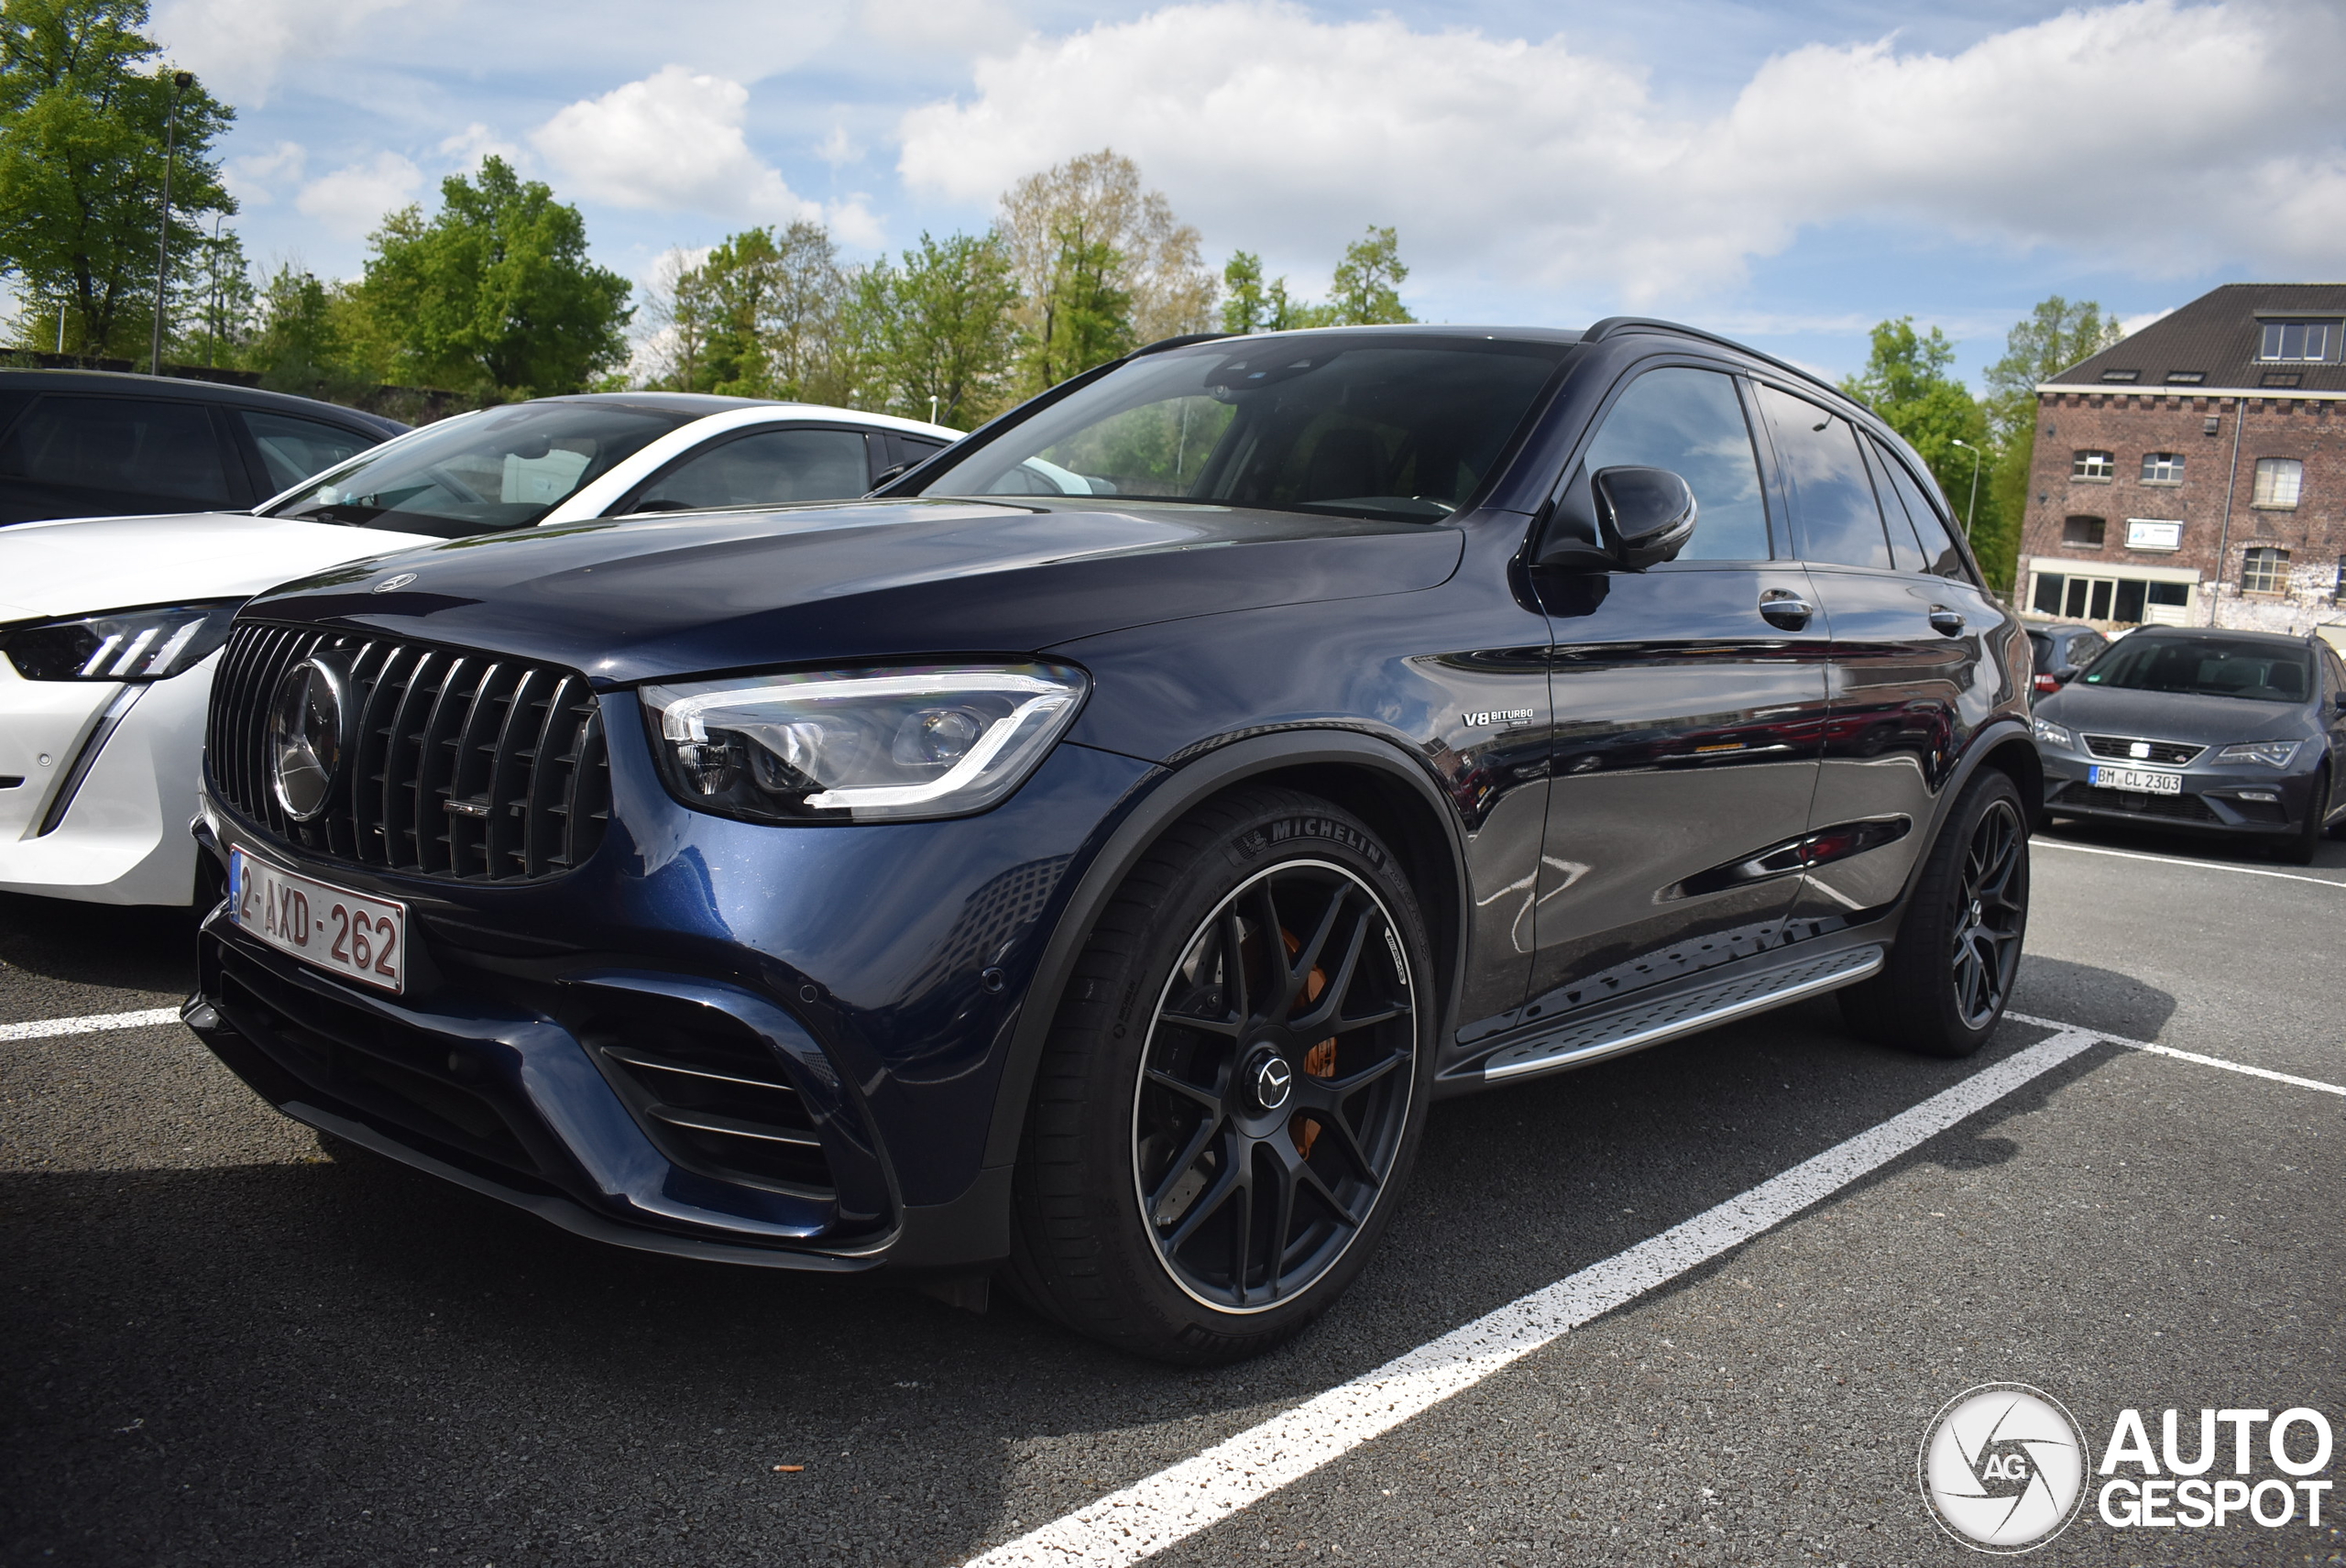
1785	609
1945	621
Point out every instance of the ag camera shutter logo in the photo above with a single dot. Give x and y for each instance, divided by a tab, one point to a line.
2002	1466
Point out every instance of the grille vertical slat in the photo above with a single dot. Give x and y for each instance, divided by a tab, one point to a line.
460	766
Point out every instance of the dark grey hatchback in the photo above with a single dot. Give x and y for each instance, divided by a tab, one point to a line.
2231	732
1083	860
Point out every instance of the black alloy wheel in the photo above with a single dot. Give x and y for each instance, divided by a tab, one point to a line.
1234	1086
1989	918
1275	1086
1949	976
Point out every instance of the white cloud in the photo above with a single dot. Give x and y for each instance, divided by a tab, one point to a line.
475	142
838	148
240	47
939	26
350	202
2148	135
671	142
257	177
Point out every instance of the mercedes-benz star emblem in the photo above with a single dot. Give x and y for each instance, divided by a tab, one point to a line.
397	580
1273	1079
306	736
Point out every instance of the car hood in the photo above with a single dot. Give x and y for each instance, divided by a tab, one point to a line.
646	597
85	564
2174	716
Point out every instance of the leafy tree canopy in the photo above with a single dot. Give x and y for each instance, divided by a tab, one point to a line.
82	120
494	295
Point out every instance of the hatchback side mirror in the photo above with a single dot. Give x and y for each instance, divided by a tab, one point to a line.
1645	516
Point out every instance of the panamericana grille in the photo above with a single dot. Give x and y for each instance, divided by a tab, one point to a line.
2121	749
461	765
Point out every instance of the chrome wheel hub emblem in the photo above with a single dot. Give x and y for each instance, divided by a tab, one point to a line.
306	738
1274	1079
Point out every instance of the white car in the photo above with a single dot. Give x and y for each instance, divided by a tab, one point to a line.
110	627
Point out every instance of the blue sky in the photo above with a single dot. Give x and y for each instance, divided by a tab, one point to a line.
1789	173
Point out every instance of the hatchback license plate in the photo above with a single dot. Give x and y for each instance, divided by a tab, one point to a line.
341	932
2137	781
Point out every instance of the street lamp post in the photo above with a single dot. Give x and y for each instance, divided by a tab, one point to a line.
180	81
1973	505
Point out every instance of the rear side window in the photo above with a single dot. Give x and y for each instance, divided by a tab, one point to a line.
1839	521
766	467
128	446
293	449
1940	557
1691	422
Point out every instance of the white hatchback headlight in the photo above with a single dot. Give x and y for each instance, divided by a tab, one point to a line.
122	644
888	745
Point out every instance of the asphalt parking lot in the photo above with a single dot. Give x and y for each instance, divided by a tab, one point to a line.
225	1347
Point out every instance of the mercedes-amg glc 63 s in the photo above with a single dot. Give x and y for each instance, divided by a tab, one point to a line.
1081	862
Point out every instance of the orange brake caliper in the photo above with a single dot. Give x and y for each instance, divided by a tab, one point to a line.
1320	1061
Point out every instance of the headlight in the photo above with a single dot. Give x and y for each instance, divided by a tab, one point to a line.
122	644
861	745
2051	734
2272	753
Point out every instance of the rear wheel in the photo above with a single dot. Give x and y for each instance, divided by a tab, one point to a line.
1233	1086
1950	974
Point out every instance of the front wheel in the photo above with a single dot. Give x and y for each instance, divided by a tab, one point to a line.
1950	974
1234	1086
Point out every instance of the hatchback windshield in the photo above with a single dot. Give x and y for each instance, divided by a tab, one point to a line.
482	473
1354	424
2205	666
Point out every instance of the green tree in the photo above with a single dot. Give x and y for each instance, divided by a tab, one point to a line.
937	333
1909	380
216	315
2054	336
1369	280
310	340
494	295
772	300
1084	316
81	131
1244	303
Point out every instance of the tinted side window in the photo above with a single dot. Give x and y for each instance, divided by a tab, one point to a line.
769	465
293	449
1940	557
1832	497
123	446
1691	422
1905	545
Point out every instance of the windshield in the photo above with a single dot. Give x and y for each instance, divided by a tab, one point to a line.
1358	425
2205	666
482	473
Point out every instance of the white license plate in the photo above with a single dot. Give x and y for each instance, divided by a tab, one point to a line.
341	932
2137	781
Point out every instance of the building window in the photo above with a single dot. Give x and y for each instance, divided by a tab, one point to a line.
2278	480
2083	533
2299	340
2279	378
2265	570
2121	375
2162	467
2185	378
2093	465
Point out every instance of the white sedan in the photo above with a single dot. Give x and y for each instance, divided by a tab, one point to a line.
111	626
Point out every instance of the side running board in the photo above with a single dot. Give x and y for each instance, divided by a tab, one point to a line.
1580	1041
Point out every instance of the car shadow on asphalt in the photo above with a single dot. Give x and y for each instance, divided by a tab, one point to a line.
341	1351
129	947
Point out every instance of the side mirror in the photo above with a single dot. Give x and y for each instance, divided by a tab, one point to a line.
1645	516
1625	519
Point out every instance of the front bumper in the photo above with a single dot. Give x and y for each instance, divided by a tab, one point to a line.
870	975
2216	798
108	781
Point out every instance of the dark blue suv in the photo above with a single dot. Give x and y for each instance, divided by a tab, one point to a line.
1081	862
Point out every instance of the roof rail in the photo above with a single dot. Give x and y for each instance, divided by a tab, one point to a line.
1612	324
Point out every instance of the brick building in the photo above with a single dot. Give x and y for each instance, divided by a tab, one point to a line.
2196	472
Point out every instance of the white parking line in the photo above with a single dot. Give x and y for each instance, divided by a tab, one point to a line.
1176	1503
2041	841
2227	1066
90	1024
